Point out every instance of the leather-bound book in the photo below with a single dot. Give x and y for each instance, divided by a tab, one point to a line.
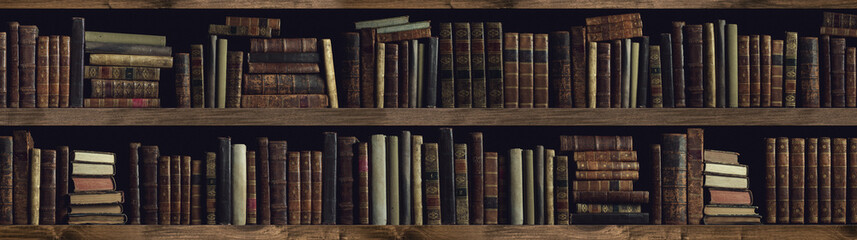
603	76
391	76
851	77
720	65
62	187
837	72
462	76
316	189
431	176
490	189
477	65
196	76
446	165
182	70
379	74
503	194
510	69
528	187
494	64
6	180
655	78
175	189
247	31
475	178
22	143
797	163
811	183
196	186
367	68
222	49
770	180
35	185
616	74
824	70
273	23
694	64
755	76
284	45
642	73
234	61
103	59
132	193
839	181
430	75
404	35
416	73
126	48
121	103
378	185
783	180
210	73
224	181
561	190
42	72
64	70
695	146
525	70
263	182
579	143
278	159
102	88
446	72
12	66
417	179
210	188
790	53
516	187
674	173
678	63
76	62
765	71
709	62
607	165
667	70
548	183
28	35
657	183
185	190
625	86
462	211
392	186
296	57
306	187
808	72
540	71
350	68
122	73
404	73
47	195
164	191
362	156
612	197
824	179
345	191
852	177
610	218
603	185
148	156
285	101
53	71
578	65
607	175
328	179
744	71
777	73
294	187
405	193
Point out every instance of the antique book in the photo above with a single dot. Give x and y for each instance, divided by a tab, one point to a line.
6	180
210	188
133	190
525	70
851	77
182	70
510	69
404	73
811	180
608	208
28	37
104	59
126	38
634	70
547	210
614	27
625	83
273	23
852	177
616	58
196	186
797	163
185	190
732	56
42	72
824	70
416	180
494	64
263	182
733	220
76	48
667	81
224	181
286	57
367	68
278	166
603	185
592	78
609	218
782	155
824	180
606	160
104	88
403	35
462	68
405	167
839	180
446	72
657	182
808	72
392	185
430	72
578	143
462	211
607	175
306	187
47	188
175	189
121	103
611	196
96	209
126	48
403	27
540	71
294	187
674	173
516	187
93	184
790	53
350	69
96	198
755	68
765	71
475	178
281	67
316	189
478	65
431	176
362	154
655	79
148	156
122	73
561	190
528	187
695	146
211	71
22	144
327	182
12	63
278	84
378	193
578	65
446	163
196	76
285	101
729	196
490	189
725	181
602	96
376	23
710	66
643	84
695	72
720	62
503	192
744	71
677	38
379	75
100	219
283	45
239	184
607	165
391	76
777	73
234	61
345	189
164	191
53	71
64	63
246	31
837	73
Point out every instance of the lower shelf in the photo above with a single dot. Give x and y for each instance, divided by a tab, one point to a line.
433	232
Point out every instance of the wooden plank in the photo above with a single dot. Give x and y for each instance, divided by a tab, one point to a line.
430	117
424	4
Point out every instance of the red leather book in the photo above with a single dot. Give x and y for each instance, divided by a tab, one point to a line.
657	182
577	143
851	77
363	183
695	146
603	185
611	196
164	191
54	72
674	173
607	165
755	72
22	143
744	71
478	64
765	71
182	69
729	196
93	184
678	63
837	72
540	71
475	175
446	72
560	69
350	68
811	180
656	82
510	70
797	164
48	194
294	191
462	76
391	76
694	72
808	72
283	45
824	70
196	186
462	211
367	67
279	191
263	182
345	162
602	96
432	184
185	190
404	72
12	66
607	175
852	178
42	71
175	189
839	182
824	180
771	180
616	74
132	193
525	70
777	73
251	188
149	185
491	190
316	189
578	65
783	180
306	187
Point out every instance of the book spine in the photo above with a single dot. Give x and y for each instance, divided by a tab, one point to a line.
476	175
306	187
125	48
285	101
185	190
391	76
431	175
196	184
273	23
490	189
22	143
404	73
783	180
378	193
103	88
796	183
744	94
695	73
379	74
12	66
770	180
790	54
720	65
824	70
351	69
175	189
592	78
196	76
516	187
392	187
47	195
695	148
851	77
445	69
503	193
132	196
427	79
626	73
678	63
607	175
164	191
35	185
811	183
603	185
616	74
248	31
755	76
222	46
510	70
612	197
607	166
345	160
608	208
462	76
183	89
294	187
765	71
53	75
285	45
281	67
417	72
529	187
578	58
548	183
316	188
122	73
300	57
657	182
103	59
278	166
667	71
674	173
540	71
405	178
149	182
263	183
64	70
477	65
839	181
525	70
404	35
6	180
234	75
224	181
417	179
210	188
612	146
462	214
733	69
709	62
777	73
42	71
824	179
121	102
640	73
278	84
363	183
494	64
328	185
211	73
603	76
837	72
62	187
808	72
655	80
76	48
28	37
561	190
852	177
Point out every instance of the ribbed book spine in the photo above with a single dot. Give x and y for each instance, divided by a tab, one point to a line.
744	71
132	194
790	61
643	74
278	163
678	63
446	72
655	81
350	68
824	70
28	37
404	73
603	76
316	189
490	188
263	182
62	187
657	183
22	143
345	189
378	184
510	70
182	69
851	77
770	180
175	189
824	180
430	72
65	70
306	187
755	74
777	73
695	72
251	206
837	72
616	73
42	72
196	186
695	147
765	71
852	178
185	190
431	176
329	188
561	190
578	49
797	163
392	187
367	68
54	72
494	64
783	180
362	183
293	197
476	183
667	70
477	65
549	207
234	76
540	71
503	195
164	203
525	70
674	173
210	188
12	64
6	181
811	184
391	76
808	72
48	181
196	76
840	181
211	73
462	213
461	49
148	179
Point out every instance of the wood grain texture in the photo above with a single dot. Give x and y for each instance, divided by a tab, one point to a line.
424	4
432	232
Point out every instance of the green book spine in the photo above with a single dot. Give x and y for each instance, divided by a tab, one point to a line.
732	52
126	38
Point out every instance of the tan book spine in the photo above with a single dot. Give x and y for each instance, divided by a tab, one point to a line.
591	80
379	75
329	73
35	184
416	178
130	60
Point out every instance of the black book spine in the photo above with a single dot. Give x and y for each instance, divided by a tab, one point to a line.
447	182
224	181
75	97
6	179
720	63
643	76
210	72
667	69
329	188
430	71
405	194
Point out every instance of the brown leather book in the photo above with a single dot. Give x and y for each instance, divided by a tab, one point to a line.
234	75
294	187
350	68
475	176
121	102
149	185
744	71
851	77
273	23
285	101
316	190
602	96
755	75
494	64
491	191
578	65
47	195
64	62
808	72
345	161
540	71
771	180
404	35
367	67
824	70
132	193
13	70
362	183
678	63
282	67
614	27
657	182
811	186
603	185
196	186
35	184
525	70
446	72
765	71
607	166
251	188
391	76
62	186
28	35
105	88
694	67
102	59
182	69
122	73
777	73
283	45
6	180
607	175
502	190
561	190
256	84
164	191
22	143
211	188
43	72
305	169
510	70
674	173
837	72
611	196
783	180
263	182
478	64
185	191
278	165
655	82
616	74
247	31
432	184
839	181
53	71
695	147
577	143
175	189
197	76
797	163
824	180
852	177
462	211
405	49
560	69
462	76
604	157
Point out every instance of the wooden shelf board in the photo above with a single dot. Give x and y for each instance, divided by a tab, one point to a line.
430	117
433	232
424	4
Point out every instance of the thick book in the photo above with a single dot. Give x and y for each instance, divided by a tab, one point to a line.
121	103
478	65
777	73
824	180
53	71
516	187
811	180
184	217
306	187
510	70
755	76
837	73
790	63
42	72
576	143
446	163
182	71
126	48
578	48
285	101
405	60
122	73
720	62
462	211
197	78
28	37
133	191
561	190
852	177
765	71
695	72
657	182
234	76
728	196
525	70
782	155
22	144
104	59
327	186
729	210
431	176
710	64
391	76
643	73
210	188
851	77
605	159
345	190
494	64
96	219
279	84
224	181
392	185
427	71
446	72
94	184
362	154
98	198
475	178
725	181
384	22
148	156
611	196
65	70
607	165
263	182
732	220
48	187
76	48
674	173
739	170
744	71
609	218
607	175
655	79
367	68
797	163
175	189
196	176
491	190
417	180
164	191
839	180
808	72
350	69
378	178
278	166
282	67
293	182
245	31
540	71
403	35
667	81
608	208
126	38
695	146
678	72
283	45
106	88
12	65
462	69
603	83
273	23
824	70
614	27
405	178
603	185
97	209
6	180
315	189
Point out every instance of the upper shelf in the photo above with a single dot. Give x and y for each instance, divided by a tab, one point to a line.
424	4
431	117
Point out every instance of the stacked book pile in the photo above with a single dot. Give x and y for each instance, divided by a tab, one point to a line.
285	73
124	69
93	198
728	196
603	190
